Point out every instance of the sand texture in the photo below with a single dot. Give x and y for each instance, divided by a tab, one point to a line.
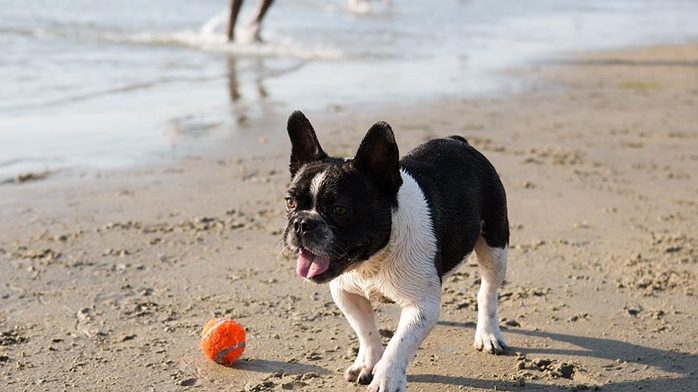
107	278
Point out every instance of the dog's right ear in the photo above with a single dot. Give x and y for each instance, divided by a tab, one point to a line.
379	158
304	144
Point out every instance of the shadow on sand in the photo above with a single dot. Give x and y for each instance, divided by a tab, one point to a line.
266	366
683	365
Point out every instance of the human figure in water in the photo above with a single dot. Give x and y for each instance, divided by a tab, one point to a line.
253	31
256	23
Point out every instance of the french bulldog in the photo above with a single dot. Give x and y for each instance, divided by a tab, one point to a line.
379	227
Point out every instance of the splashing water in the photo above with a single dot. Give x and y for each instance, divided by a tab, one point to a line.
216	23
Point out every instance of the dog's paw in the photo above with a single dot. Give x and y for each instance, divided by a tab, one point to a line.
360	374
489	340
362	369
388	379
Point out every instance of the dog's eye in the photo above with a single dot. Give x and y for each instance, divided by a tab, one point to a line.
339	210
290	203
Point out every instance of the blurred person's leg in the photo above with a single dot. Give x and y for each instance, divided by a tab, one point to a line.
256	25
234	11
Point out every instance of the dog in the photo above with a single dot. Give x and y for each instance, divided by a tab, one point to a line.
379	227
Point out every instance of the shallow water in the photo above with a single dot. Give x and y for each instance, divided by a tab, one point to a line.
108	84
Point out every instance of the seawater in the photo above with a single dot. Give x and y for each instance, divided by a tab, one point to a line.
107	84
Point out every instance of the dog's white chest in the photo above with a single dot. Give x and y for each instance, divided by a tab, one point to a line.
375	288
405	267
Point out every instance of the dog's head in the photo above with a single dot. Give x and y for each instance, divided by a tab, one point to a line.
339	209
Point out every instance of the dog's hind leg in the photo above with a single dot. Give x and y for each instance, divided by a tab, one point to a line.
493	266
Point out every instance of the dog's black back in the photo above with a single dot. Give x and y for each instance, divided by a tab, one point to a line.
464	194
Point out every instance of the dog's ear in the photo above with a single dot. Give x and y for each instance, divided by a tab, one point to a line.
304	144
378	157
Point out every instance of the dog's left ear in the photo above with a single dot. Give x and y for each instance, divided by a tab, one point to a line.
378	157
304	144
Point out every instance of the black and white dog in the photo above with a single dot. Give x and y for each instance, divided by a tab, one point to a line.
379	227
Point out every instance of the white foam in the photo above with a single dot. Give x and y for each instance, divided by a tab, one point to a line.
216	23
209	37
209	40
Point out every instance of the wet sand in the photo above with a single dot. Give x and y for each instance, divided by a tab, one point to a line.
108	277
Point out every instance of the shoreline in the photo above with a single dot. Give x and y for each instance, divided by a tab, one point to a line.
110	273
142	85
510	81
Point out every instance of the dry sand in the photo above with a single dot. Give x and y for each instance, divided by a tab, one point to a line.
107	278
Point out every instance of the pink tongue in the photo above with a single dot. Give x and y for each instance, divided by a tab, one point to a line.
310	265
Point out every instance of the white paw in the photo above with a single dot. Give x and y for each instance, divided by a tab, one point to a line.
489	339
362	369
359	373
388	379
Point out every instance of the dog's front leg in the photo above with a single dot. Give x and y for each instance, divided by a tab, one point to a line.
359	313
416	321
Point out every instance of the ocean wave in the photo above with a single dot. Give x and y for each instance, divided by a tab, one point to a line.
209	37
213	42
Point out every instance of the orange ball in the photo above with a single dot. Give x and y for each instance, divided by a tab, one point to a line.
223	341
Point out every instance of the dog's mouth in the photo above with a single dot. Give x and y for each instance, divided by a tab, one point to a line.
310	265
321	269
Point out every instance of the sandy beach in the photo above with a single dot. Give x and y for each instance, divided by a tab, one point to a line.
108	277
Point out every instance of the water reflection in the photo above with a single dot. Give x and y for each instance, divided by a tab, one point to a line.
240	75
247	100
247	80
255	72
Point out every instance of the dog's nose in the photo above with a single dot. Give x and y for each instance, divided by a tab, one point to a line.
304	225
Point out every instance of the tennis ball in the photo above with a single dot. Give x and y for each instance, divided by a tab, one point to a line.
223	341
